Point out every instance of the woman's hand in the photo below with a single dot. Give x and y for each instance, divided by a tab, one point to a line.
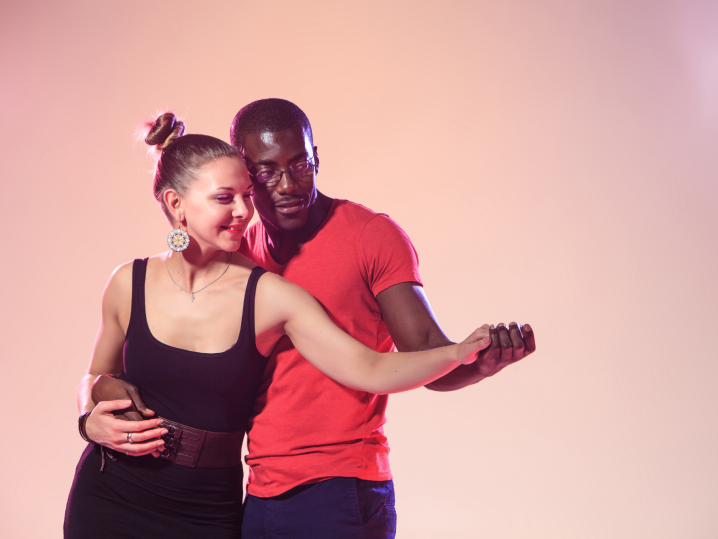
473	344
135	438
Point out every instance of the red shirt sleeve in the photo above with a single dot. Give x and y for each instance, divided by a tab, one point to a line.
387	255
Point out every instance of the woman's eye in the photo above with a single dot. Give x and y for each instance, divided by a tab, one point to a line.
225	199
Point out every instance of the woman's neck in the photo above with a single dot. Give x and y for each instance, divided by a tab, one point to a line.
194	267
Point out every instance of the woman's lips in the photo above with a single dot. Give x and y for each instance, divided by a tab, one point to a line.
235	230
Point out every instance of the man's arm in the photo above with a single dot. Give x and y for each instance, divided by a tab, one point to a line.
412	325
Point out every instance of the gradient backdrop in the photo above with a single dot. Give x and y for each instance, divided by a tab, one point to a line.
554	162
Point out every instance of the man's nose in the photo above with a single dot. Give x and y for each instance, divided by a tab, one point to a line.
287	183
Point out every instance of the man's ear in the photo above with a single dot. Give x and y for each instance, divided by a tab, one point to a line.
316	160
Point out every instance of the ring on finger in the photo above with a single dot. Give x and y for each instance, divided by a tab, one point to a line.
129	438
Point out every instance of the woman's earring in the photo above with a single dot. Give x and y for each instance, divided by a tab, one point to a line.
178	240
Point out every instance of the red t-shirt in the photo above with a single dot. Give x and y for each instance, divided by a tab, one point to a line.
306	426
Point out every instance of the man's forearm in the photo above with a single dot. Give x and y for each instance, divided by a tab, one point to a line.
460	377
413	328
84	393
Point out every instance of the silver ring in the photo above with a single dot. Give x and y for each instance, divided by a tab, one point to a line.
129	438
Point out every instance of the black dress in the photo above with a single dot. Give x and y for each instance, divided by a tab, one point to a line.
152	497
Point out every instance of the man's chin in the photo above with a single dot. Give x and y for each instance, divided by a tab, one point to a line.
290	223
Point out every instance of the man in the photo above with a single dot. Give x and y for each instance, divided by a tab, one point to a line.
317	454
318	457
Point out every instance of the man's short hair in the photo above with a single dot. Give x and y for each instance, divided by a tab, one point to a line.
267	116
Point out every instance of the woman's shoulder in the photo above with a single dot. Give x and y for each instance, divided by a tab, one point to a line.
122	275
278	291
119	286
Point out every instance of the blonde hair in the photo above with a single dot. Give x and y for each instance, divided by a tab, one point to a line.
179	155
164	130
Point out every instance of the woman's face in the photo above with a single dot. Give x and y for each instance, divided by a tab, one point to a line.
217	207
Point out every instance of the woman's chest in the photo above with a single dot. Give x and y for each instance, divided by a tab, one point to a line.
209	324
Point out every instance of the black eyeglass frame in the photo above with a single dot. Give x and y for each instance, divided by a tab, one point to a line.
274	180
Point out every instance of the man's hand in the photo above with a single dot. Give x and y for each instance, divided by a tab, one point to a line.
107	388
412	325
508	345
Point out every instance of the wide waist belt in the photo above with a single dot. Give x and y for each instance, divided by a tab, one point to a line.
201	448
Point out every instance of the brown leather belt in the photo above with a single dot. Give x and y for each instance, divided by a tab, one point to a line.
201	448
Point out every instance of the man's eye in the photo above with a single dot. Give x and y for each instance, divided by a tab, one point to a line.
264	175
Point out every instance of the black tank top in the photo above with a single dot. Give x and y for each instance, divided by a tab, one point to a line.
214	392
151	497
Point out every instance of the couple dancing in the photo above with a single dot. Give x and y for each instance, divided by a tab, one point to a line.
222	335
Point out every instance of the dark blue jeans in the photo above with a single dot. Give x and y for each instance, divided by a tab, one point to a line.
342	508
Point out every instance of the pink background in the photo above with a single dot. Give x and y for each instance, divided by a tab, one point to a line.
553	162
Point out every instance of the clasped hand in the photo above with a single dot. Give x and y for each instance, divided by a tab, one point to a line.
116	422
507	346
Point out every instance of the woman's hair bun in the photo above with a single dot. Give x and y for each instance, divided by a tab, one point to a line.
165	129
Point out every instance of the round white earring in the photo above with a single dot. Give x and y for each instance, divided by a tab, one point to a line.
178	240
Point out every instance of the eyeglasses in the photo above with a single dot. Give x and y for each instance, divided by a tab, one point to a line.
299	171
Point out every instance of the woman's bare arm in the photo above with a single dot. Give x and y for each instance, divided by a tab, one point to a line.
107	353
284	308
102	426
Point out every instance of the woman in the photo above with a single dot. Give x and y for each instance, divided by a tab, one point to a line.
170	326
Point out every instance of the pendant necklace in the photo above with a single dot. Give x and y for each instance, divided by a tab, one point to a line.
193	292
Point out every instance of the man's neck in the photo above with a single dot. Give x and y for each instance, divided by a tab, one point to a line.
284	244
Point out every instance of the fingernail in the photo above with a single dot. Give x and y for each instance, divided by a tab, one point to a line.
502	325
163	432
160	421
492	326
527	327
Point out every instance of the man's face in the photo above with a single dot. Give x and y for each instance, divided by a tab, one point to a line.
287	204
